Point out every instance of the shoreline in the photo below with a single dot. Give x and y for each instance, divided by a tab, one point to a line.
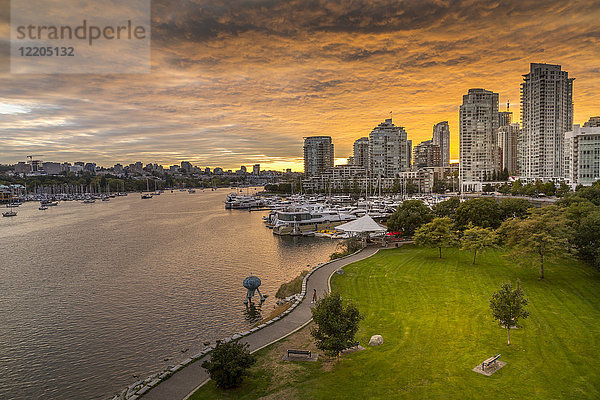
182	380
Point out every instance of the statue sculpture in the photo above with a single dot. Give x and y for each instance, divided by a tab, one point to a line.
252	283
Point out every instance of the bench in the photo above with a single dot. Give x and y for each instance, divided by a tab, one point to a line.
300	352
490	361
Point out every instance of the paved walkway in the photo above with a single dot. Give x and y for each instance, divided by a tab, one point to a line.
184	382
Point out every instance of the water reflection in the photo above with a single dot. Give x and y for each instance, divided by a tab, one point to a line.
253	312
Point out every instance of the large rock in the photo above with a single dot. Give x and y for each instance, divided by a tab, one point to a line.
376	340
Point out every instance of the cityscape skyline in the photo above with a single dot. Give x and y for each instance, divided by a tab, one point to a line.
315	74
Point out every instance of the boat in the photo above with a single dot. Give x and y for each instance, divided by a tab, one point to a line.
191	191
11	212
43	207
147	195
89	201
307	220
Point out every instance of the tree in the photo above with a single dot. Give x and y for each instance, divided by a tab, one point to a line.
484	212
409	216
542	233
508	306
514	208
229	363
336	324
477	239
438	233
446	208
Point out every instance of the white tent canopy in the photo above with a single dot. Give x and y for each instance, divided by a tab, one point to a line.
361	225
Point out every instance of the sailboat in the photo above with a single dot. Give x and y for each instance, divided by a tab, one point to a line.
147	195
11	212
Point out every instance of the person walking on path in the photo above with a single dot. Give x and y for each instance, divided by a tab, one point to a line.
314	300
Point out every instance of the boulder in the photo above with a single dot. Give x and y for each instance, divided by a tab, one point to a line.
376	340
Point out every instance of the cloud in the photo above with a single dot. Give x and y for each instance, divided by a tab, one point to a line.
239	82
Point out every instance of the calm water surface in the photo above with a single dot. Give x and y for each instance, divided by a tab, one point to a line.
93	294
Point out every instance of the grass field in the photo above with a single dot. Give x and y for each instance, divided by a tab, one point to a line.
435	319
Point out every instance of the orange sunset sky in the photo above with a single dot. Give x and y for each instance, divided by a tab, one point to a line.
242	82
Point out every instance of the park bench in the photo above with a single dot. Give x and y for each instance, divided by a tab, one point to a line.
489	361
300	352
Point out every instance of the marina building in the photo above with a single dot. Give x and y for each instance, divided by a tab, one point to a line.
389	150
318	155
478	120
582	156
546	114
441	138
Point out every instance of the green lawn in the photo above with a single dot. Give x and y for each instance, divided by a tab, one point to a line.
435	319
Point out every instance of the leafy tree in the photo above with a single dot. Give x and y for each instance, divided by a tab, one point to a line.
504	189
438	233
508	306
484	212
411	187
488	188
446	208
336	324
517	188
514	208
562	189
409	216
229	363
543	233
584	224
477	239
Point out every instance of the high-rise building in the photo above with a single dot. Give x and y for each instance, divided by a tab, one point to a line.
427	154
389	150
318	155
504	118
441	138
582	155
361	152
508	139
546	114
594	122
256	169
478	128
52	168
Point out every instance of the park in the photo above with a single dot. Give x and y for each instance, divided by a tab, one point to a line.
434	315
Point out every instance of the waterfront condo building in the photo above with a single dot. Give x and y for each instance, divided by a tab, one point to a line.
546	114
318	155
478	120
582	156
508	139
441	138
426	154
361	152
389	150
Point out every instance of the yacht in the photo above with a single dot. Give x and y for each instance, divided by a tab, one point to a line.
308	220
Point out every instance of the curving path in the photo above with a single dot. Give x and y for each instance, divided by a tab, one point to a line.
187	380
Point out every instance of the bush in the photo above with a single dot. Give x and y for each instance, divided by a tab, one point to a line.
228	364
347	247
292	287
